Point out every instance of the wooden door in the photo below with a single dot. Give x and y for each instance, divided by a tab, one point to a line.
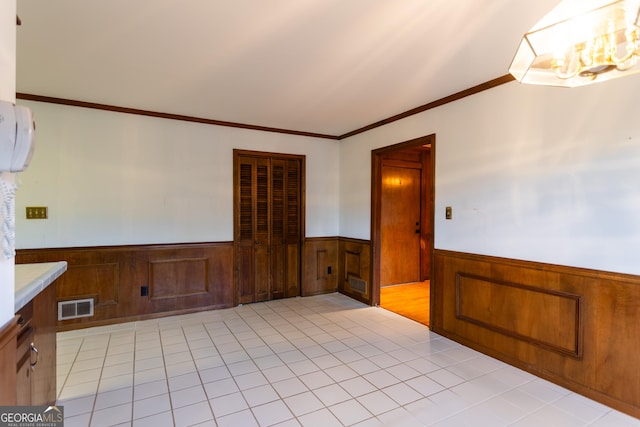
401	225
285	228
278	245
293	228
268	212
252	232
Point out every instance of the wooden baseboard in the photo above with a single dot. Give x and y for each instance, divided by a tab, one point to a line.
138	318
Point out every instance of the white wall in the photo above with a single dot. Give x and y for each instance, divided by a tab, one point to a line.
113	179
534	173
7	93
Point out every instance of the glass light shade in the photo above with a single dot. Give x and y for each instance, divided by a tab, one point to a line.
581	42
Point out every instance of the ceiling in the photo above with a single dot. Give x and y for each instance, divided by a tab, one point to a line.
319	66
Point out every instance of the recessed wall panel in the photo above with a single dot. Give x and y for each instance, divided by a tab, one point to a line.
531	314
177	277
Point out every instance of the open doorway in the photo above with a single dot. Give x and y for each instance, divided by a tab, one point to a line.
402	226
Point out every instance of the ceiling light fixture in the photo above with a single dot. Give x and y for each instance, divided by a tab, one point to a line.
581	42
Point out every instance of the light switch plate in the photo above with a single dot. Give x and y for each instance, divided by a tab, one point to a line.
37	212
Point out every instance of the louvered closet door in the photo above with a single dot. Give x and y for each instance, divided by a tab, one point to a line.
285	230
293	228
268	229
252	231
278	222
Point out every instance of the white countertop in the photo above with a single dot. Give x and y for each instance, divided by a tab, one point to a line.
31	279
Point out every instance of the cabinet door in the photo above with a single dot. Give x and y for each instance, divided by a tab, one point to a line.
23	383
26	337
45	316
8	358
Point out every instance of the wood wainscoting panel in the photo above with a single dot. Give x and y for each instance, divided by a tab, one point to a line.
355	269
576	327
320	275
528	313
95	272
352	264
322	260
175	278
98	281
179	278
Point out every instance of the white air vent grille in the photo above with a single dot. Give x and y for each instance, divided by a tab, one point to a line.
357	284
75	309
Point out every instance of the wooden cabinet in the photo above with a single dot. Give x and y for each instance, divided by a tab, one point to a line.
8	334
268	213
25	361
24	380
36	350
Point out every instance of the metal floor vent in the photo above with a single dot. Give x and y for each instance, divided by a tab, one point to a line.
357	284
75	309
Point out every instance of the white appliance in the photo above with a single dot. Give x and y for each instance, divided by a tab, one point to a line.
17	137
17	141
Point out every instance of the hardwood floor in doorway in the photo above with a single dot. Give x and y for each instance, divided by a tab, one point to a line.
409	300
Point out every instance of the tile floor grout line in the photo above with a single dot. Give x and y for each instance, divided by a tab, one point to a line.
66	377
95	396
166	373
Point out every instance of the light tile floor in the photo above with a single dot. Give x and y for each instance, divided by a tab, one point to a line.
317	361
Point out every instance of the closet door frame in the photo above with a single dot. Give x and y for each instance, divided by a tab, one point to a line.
238	154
